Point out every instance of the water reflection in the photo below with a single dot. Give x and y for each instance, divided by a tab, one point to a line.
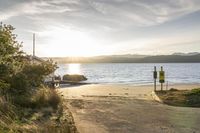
74	69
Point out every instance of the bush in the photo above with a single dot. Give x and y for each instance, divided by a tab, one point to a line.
36	72
46	97
54	99
22	100
193	92
19	84
25	82
4	88
193	97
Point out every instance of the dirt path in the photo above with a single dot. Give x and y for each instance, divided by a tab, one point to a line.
127	109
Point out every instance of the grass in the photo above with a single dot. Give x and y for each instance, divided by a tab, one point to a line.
45	98
45	113
185	98
8	115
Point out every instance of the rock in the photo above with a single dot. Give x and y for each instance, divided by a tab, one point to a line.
74	78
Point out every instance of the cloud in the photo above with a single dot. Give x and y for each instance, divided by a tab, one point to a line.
116	22
35	8
117	12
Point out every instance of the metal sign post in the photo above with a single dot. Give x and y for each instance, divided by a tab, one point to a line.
33	44
33	56
155	77
162	77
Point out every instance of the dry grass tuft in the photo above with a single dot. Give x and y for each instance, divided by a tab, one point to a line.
46	114
7	116
45	98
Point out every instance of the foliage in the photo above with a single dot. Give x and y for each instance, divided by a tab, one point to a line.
31	76
194	97
188	98
18	75
10	54
21	96
4	87
43	119
193	92
35	73
46	98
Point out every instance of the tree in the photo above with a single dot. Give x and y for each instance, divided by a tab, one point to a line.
17	74
10	53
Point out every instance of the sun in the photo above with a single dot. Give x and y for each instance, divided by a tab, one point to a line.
68	42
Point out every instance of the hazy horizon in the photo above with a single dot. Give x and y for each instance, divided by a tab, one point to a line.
128	54
75	28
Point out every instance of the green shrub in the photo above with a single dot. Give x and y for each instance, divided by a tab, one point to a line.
193	97
19	84
193	92
36	72
4	88
22	100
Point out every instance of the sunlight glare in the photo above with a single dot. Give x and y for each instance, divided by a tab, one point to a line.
74	69
70	42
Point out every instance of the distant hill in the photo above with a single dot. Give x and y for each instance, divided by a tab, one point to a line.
171	59
187	54
174	58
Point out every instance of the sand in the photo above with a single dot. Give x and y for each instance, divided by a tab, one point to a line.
108	108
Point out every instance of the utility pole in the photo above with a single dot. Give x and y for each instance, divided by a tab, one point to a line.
33	56
33	44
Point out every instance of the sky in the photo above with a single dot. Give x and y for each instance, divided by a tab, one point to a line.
104	27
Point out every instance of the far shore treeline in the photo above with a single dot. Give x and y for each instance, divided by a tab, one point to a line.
174	58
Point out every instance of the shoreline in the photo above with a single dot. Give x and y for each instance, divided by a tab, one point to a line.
134	84
175	85
131	83
121	90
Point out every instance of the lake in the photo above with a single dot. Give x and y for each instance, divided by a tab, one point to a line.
133	73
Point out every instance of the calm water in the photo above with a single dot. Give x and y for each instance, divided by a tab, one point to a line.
133	73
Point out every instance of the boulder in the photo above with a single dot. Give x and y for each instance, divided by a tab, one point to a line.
74	78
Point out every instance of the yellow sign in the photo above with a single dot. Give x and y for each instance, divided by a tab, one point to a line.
161	76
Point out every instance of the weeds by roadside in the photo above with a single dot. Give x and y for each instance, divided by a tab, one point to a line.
46	113
186	98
